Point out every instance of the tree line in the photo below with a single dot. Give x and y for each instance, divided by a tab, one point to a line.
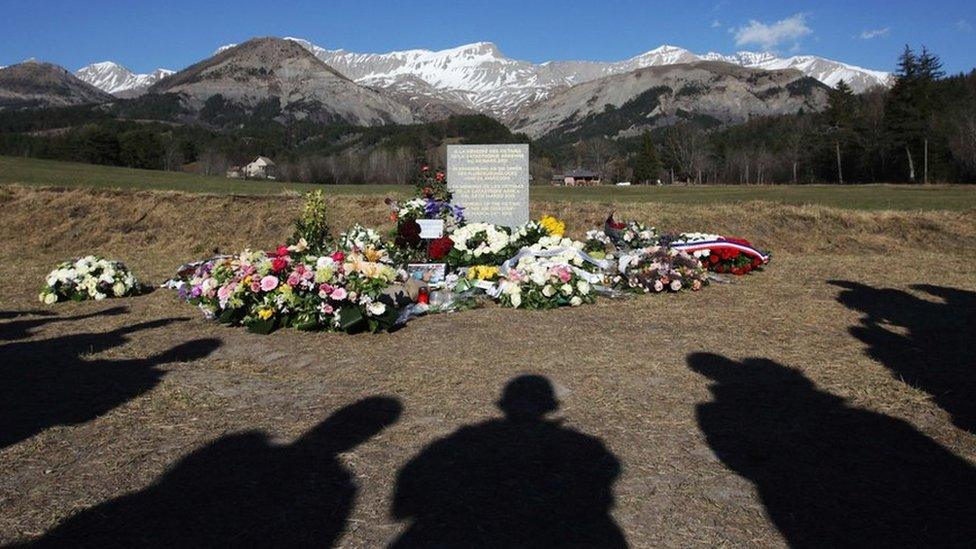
922	129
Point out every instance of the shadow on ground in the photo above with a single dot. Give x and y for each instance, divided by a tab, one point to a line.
928	345
49	382
519	481
828	473
21	329
241	491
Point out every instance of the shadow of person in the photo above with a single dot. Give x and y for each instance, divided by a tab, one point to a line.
520	481
935	351
241	491
6	315
48	382
20	329
830	474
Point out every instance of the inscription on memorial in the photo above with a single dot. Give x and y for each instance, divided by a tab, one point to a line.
491	182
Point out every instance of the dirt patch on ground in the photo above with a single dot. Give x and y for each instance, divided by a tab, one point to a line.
827	400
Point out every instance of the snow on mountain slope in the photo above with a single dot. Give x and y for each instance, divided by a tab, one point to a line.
118	80
825	70
479	77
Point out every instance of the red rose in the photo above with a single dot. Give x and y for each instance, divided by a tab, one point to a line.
713	258
338	257
440	247
439	176
278	264
282	251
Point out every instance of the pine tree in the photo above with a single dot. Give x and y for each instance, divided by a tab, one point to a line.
841	112
903	112
646	164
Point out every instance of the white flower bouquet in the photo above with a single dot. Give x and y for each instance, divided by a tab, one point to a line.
543	283
90	277
479	244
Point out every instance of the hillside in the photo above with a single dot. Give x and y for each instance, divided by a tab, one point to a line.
35	84
712	92
271	73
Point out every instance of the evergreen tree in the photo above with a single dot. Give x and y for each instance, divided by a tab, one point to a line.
841	113
646	164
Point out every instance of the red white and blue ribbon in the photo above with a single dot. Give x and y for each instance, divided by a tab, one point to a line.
692	247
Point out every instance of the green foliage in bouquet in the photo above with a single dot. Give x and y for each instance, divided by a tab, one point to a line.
312	225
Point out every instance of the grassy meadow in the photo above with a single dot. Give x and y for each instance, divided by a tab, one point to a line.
51	173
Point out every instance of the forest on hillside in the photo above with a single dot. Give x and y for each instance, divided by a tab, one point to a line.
922	129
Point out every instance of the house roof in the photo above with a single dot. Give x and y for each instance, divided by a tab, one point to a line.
581	174
267	161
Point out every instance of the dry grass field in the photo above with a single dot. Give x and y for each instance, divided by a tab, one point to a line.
829	401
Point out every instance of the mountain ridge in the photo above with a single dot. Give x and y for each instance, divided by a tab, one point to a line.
38	84
272	73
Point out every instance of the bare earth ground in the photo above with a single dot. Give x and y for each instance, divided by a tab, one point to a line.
828	400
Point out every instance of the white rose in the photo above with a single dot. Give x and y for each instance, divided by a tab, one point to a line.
99	296
583	287
566	289
548	291
516	299
376	308
118	289
576	301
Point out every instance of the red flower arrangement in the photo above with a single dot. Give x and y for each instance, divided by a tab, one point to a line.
733	261
440	247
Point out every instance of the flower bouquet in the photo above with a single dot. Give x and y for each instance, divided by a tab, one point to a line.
660	269
90	277
287	288
540	283
479	244
722	254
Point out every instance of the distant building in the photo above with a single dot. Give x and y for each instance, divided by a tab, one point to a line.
262	168
577	178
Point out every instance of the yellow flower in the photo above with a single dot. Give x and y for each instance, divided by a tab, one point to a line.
554	226
482	272
265	314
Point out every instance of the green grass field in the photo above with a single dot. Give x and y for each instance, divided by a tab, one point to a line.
49	173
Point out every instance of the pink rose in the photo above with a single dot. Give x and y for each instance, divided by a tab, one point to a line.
255	286
327	309
338	257
269	283
658	285
294	279
225	292
339	294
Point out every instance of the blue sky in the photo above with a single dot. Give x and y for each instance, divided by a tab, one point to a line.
176	33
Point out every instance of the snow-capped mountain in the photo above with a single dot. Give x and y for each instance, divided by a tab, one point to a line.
479	77
118	80
825	70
